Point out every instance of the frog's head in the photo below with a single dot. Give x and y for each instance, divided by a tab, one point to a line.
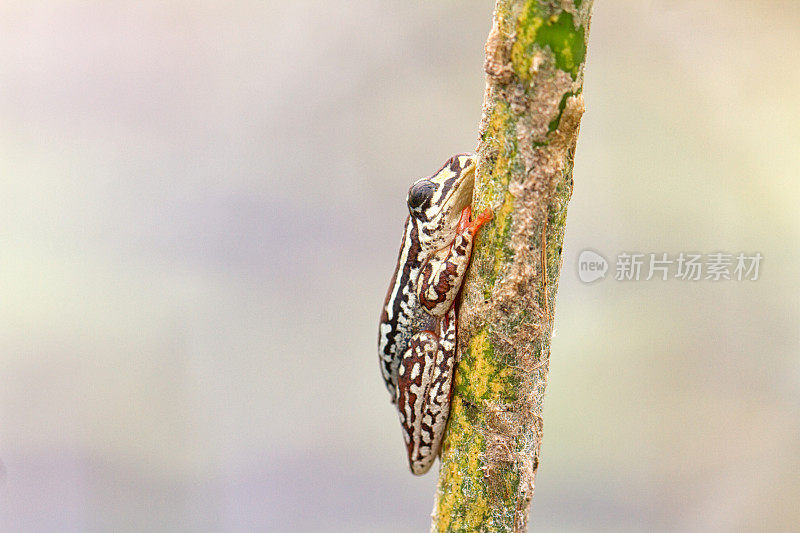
436	202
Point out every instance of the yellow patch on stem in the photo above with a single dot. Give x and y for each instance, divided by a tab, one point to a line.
455	463
502	219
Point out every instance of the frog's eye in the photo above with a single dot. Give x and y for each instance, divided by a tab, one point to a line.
419	193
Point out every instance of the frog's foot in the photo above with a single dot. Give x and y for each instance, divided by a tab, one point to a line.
464	223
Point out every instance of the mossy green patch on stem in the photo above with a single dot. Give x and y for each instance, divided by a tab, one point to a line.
567	42
557	32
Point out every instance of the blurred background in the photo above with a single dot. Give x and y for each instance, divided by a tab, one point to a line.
201	205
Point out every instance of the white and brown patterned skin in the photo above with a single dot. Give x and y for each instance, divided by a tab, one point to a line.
417	334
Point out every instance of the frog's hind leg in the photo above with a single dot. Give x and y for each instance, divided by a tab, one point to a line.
424	392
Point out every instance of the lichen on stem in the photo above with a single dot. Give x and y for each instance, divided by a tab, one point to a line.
532	108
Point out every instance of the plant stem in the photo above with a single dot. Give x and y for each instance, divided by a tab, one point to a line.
531	115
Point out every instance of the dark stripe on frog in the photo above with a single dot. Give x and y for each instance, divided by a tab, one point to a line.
455	164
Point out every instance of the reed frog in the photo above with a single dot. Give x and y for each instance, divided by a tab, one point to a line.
417	333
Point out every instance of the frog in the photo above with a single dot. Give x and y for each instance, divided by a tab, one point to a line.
417	335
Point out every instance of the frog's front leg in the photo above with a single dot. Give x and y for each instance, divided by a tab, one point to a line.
441	277
424	390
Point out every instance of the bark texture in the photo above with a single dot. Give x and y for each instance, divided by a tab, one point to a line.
531	115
